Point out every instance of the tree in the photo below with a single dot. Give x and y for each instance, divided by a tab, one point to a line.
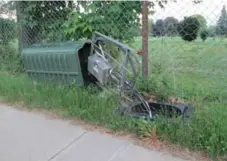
8	30
112	18
158	29
212	31
40	21
43	21
202	21
55	20
64	20
204	34
222	23
170	24
188	28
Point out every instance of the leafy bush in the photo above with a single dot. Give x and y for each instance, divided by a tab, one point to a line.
8	30
204	34
189	28
102	18
9	59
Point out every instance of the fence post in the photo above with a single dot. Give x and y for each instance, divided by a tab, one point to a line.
145	38
19	30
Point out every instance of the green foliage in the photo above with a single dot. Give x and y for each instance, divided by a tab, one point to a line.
42	20
55	21
222	23
79	103
8	31
206	131
170	24
202	21
117	19
77	26
167	27
9	59
159	83
136	31
189	28
204	34
158	29
212	31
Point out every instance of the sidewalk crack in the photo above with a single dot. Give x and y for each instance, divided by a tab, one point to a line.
119	150
66	147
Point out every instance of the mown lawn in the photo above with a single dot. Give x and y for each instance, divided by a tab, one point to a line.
194	67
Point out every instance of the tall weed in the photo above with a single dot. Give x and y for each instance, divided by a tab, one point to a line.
10	59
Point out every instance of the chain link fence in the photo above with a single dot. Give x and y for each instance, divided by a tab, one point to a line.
187	47
49	21
186	39
181	44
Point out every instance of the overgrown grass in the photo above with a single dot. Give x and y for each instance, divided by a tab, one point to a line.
195	72
208	128
206	132
82	103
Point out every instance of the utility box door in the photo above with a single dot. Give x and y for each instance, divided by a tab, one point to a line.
55	63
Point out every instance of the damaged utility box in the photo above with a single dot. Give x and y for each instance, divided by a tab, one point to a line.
63	63
85	62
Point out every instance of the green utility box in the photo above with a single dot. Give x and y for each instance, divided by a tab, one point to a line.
63	63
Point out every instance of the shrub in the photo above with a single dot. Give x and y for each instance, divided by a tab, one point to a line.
8	30
9	59
188	28
204	34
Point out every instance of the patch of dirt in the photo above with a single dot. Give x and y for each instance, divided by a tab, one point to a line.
151	141
175	100
152	98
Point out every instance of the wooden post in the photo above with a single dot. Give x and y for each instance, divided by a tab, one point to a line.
145	38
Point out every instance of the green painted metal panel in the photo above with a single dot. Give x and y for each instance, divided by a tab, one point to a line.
54	62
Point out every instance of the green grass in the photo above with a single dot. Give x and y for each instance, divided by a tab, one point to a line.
207	131
81	103
194	71
9	57
196	67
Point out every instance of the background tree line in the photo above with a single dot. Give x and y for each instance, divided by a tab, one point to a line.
190	27
42	21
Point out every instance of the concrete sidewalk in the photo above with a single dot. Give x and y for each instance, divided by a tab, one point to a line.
26	136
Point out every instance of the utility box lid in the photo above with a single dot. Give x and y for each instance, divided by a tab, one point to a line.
54	62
